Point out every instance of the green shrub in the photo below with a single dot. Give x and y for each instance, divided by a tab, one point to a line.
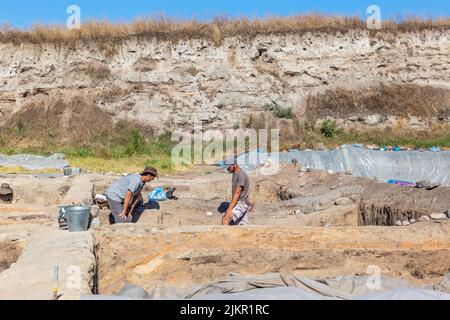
279	111
284	113
329	128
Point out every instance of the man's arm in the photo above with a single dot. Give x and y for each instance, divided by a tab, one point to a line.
229	214
137	198
136	201
133	207
126	203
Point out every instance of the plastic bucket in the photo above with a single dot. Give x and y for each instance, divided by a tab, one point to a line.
77	218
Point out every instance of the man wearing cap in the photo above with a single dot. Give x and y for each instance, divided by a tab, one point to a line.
6	193
237	212
126	194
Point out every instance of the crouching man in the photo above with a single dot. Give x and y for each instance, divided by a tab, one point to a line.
237	212
125	195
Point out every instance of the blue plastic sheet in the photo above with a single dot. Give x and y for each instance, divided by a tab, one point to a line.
157	195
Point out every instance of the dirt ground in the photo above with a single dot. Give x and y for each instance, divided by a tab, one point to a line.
292	198
304	223
37	190
185	257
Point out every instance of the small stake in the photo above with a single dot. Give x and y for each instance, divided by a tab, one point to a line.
55	282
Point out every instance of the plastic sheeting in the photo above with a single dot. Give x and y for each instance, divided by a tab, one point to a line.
407	294
33	162
279	286
274	286
380	165
300	294
444	286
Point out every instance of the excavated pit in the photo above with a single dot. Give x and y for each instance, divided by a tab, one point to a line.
37	191
9	254
177	244
310	224
372	215
35	199
150	257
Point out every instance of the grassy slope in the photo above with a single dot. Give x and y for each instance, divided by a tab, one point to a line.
131	156
135	155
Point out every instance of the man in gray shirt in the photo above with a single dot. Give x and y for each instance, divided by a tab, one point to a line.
237	213
125	194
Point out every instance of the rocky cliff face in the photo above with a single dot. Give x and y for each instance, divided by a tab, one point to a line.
166	85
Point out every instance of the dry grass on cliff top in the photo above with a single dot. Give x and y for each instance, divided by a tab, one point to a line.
165	28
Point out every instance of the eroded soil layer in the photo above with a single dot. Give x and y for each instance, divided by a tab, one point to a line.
184	257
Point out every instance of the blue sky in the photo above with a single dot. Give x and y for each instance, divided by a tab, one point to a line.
24	13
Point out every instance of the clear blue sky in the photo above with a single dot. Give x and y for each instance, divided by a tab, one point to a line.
24	13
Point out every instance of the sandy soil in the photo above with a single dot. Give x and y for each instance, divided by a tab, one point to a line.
312	224
187	256
292	198
304	223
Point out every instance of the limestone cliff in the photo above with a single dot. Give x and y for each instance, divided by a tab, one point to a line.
164	85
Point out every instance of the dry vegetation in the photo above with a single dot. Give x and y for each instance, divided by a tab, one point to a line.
306	138
95	70
393	99
87	135
164	28
55	121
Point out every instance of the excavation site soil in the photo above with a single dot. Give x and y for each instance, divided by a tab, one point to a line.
305	223
308	223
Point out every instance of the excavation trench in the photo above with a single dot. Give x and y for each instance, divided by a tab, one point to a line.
147	256
38	191
192	256
178	245
384	215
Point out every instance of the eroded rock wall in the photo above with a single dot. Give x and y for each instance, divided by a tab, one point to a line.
166	85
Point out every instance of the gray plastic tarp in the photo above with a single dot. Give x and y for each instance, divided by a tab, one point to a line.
33	162
275	286
410	166
280	286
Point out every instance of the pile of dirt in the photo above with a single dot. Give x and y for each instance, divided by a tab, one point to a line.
402	100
